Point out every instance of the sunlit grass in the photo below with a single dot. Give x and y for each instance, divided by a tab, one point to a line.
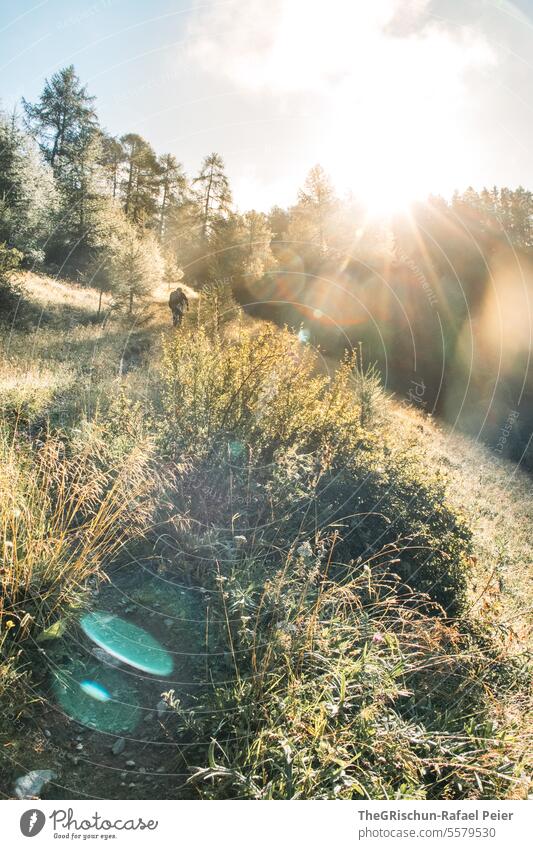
344	676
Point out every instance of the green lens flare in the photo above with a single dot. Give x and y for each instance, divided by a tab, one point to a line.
97	697
128	643
95	690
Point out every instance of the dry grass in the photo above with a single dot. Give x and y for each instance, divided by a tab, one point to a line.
50	292
495	496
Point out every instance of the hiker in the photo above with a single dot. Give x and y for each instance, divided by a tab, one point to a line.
178	303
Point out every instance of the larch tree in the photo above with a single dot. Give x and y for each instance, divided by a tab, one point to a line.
173	189
316	204
256	240
61	115
28	195
136	266
112	161
213	193
140	186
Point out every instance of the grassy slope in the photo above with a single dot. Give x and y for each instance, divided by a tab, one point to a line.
70	360
493	493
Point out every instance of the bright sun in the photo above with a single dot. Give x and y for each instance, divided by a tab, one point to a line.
389	175
387	200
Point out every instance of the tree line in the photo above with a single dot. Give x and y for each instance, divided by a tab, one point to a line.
113	211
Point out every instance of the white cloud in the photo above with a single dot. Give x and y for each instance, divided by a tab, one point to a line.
387	82
306	45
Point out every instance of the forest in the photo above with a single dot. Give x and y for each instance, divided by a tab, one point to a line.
313	494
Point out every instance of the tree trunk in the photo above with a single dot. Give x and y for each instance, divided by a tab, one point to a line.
163	209
207	199
129	186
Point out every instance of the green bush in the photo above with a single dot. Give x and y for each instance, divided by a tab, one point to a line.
252	408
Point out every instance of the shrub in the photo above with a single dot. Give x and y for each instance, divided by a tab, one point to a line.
10	291
304	461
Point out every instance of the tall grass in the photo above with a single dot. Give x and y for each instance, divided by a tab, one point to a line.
349	690
65	510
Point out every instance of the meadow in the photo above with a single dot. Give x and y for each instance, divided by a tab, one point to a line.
341	581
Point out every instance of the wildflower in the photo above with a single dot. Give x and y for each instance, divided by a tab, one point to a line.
378	638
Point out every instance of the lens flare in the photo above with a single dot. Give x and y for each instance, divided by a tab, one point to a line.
95	690
127	642
97	696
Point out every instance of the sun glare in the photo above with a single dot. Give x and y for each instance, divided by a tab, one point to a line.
387	200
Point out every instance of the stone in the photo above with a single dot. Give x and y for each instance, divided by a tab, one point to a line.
130	763
30	785
118	746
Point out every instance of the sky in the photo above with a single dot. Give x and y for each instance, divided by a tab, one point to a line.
395	98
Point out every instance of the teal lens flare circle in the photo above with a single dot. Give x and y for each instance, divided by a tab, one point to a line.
97	697
127	642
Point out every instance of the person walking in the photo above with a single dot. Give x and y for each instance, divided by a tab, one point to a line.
178	303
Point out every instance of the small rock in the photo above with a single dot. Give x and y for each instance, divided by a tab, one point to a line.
123	774
240	540
47	733
79	739
118	746
161	708
130	763
31	784
79	747
132	784
160	769
142	769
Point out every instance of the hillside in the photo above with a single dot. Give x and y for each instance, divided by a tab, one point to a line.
153	469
